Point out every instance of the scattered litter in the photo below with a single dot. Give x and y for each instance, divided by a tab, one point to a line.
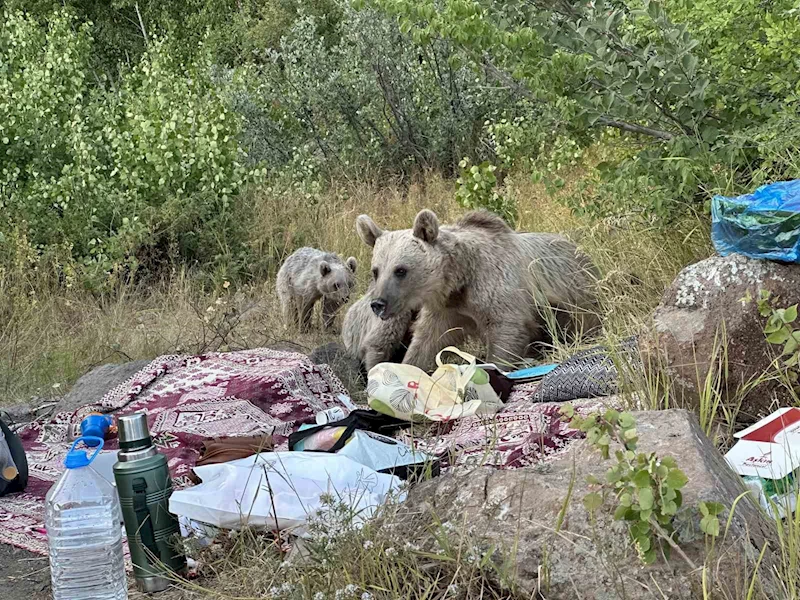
531	373
379	452
203	534
280	490
764	224
96	425
330	415
345	399
453	391
767	456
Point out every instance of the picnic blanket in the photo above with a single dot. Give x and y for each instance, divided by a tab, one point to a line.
524	433
188	399
192	398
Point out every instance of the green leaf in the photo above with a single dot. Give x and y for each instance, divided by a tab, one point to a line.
669	462
710	134
592	501
689	62
639	529
790	316
779	337
628	88
626	499
676	479
620	512
626	420
710	525
646	498
649	557
642	479
669	508
643	542
592	480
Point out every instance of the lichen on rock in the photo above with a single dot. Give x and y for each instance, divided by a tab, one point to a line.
698	282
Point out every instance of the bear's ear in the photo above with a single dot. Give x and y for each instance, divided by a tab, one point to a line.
352	263
367	230
324	268
426	226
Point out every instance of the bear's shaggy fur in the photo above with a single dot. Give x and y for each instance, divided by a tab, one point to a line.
373	340
308	275
478	277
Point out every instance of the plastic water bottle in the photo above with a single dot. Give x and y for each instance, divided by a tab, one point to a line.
83	530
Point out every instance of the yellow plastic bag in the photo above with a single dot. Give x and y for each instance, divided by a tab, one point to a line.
453	391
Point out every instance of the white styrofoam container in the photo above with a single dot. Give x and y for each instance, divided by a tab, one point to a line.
767	456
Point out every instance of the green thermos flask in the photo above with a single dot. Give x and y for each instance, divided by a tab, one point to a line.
144	487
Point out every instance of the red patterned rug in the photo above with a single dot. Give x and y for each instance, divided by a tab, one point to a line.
188	399
192	398
524	433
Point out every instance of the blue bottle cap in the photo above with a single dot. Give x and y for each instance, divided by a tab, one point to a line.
95	426
79	458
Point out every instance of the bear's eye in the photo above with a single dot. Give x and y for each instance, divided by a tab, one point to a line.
375	273
400	272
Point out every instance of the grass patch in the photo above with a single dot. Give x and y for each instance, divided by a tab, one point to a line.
50	334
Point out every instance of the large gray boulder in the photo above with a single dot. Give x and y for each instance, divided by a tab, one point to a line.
518	512
703	306
90	388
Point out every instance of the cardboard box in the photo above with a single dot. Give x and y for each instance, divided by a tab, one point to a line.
767	456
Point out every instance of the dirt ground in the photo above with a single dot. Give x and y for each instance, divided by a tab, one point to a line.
26	576
23	575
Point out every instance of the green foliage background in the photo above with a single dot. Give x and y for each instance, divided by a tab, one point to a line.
131	133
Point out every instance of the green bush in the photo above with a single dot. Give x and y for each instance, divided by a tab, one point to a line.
374	99
477	188
691	80
113	176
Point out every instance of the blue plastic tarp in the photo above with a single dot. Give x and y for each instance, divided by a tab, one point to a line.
764	224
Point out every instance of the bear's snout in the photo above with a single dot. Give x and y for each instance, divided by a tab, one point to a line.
378	306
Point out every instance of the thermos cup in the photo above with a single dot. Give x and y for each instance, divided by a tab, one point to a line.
144	487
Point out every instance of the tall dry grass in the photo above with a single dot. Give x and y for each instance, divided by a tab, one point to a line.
51	334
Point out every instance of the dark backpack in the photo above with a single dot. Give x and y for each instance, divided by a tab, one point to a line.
20	482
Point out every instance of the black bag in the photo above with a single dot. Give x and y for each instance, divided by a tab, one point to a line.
375	422
20	482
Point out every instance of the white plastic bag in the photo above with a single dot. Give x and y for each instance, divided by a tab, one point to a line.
245	491
451	392
379	452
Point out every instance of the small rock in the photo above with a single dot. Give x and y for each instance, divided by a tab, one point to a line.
535	517
705	300
90	388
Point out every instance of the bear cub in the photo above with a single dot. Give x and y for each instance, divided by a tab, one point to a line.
309	275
